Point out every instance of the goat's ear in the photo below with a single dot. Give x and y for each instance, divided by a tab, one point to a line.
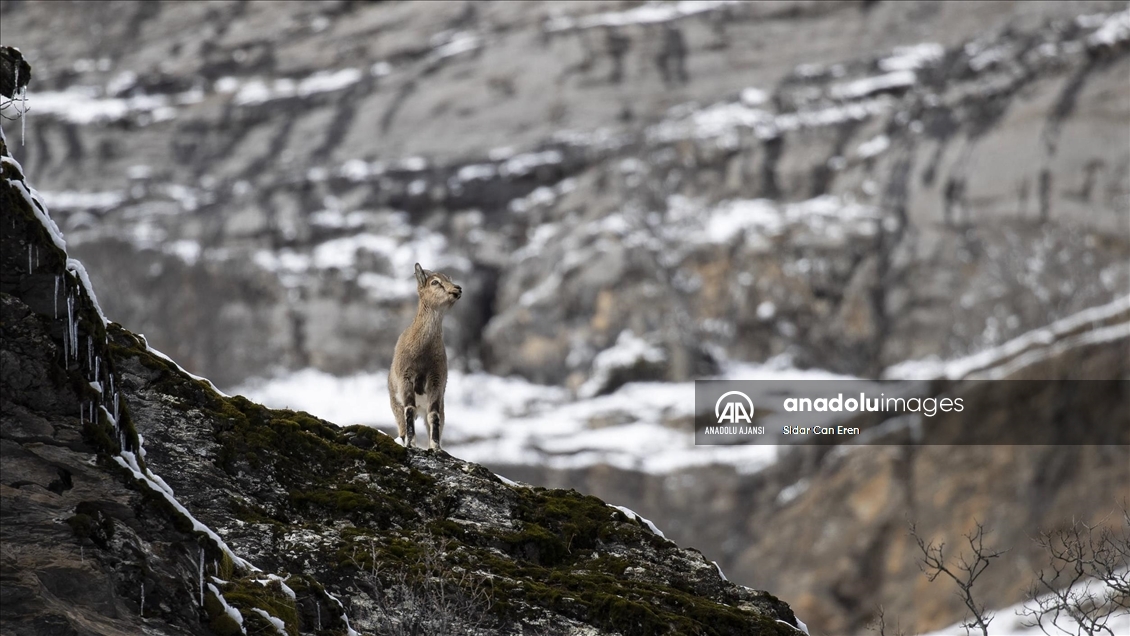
421	276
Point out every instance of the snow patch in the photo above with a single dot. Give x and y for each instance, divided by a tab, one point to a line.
631	514
1114	30
258	91
628	351
179	367
228	609
280	627
75	267
909	58
1034	345
875	146
870	85
651	13
31	196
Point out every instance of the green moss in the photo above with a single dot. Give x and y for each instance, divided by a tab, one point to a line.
218	620
245	594
332	474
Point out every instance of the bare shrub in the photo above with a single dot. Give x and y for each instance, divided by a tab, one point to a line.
964	573
426	595
1088	581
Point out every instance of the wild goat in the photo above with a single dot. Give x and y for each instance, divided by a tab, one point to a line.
419	364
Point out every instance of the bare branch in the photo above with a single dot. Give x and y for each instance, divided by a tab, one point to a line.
964	573
1087	582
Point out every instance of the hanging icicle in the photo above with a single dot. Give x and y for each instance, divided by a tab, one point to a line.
201	570
56	296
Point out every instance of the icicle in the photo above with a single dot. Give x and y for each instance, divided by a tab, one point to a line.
29	258
23	96
116	416
318	607
97	363
142	613
74	326
56	296
202	577
70	319
23	116
89	352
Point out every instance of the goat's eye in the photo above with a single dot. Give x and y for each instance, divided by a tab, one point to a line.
435	281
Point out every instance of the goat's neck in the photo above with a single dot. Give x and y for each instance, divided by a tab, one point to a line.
428	324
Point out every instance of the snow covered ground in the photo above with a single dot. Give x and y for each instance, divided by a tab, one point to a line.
643	426
1015	621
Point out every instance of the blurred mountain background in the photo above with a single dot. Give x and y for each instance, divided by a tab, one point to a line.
632	195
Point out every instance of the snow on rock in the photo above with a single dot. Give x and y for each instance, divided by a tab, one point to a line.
870	85
629	351
508	482
280	627
34	201
179	367
258	91
83	105
824	218
720	572
455	44
631	514
1025	348
753	96
74	200
909	58
1113	31
75	267
877	145
650	13
228	609
526	163
129	461
349	631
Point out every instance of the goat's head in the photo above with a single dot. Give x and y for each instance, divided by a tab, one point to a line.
436	289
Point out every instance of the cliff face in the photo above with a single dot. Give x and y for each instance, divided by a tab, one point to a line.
895	180
137	498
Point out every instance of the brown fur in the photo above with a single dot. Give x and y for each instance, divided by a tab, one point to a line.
419	365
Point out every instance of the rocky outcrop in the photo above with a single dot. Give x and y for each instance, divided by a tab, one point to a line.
828	527
937	179
138	498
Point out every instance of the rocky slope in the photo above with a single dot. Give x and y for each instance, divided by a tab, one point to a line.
138	499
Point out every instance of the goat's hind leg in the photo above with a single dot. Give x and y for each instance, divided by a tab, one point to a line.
406	416
435	423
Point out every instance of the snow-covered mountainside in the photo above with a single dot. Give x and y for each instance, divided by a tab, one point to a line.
852	184
632	195
138	499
